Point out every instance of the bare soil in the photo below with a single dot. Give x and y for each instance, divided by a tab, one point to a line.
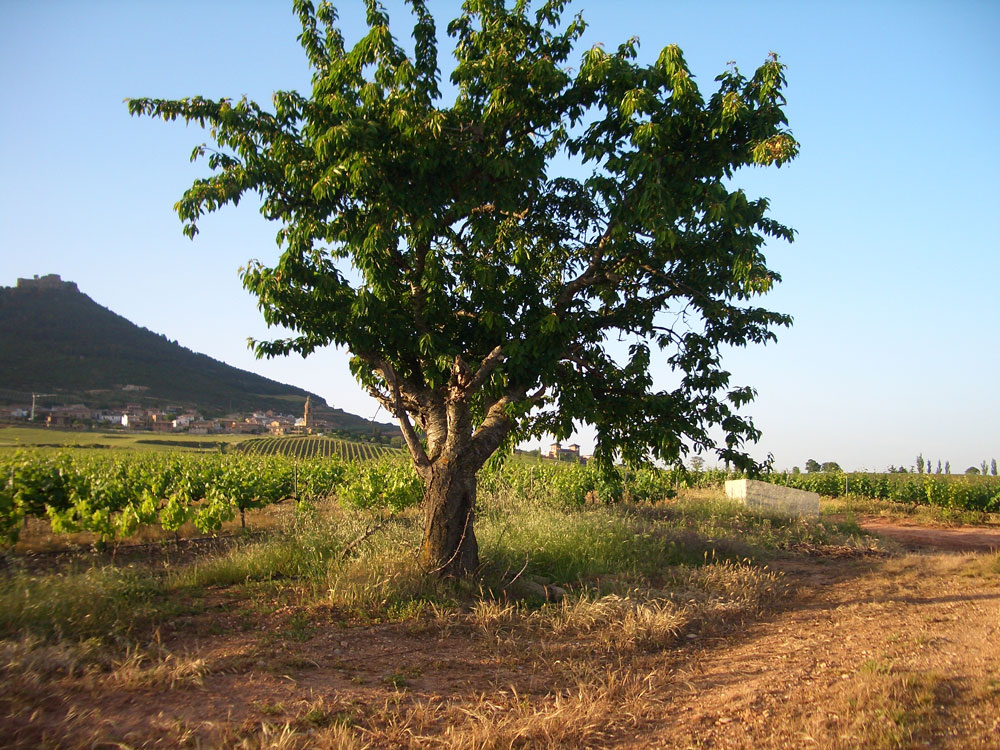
919	536
895	652
900	653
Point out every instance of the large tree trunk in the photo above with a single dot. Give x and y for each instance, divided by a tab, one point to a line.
449	546
447	459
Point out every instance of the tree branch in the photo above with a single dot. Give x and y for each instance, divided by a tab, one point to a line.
590	276
386	401
412	441
416	290
490	363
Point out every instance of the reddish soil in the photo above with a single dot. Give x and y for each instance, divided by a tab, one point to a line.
896	652
968	538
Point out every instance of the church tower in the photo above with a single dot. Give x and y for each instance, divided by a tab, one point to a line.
307	415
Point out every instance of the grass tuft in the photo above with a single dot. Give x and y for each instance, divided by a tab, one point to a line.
35	662
138	669
104	602
887	710
641	619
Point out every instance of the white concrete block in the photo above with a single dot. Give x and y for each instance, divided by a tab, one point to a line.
773	498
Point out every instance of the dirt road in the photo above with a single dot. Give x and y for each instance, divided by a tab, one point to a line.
901	653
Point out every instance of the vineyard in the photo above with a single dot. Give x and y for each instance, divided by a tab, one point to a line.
312	446
113	495
941	490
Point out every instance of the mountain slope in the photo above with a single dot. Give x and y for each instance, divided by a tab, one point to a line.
55	339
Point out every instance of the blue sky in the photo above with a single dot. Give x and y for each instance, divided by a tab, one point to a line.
893	279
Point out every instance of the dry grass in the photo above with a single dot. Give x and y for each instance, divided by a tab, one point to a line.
605	708
640	619
589	714
613	623
639	581
30	660
909	569
165	671
597	671
888	710
270	737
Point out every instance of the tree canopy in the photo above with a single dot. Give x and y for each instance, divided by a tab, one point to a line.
480	254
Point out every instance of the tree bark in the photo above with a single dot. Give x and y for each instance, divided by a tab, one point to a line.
449	546
447	461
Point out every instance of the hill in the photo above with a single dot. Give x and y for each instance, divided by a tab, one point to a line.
57	340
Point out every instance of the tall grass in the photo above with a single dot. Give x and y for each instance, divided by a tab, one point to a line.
365	561
101	602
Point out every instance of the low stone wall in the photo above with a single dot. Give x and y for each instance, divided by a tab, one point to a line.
773	498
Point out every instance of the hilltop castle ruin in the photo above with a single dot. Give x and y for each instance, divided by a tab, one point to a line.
52	281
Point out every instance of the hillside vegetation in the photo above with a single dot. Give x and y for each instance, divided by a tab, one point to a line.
59	341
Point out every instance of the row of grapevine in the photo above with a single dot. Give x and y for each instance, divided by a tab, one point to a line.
113	495
573	484
959	492
313	446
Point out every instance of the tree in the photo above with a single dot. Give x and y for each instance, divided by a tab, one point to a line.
947	467
477	286
972	471
938	470
830	466
982	467
812	466
993	467
920	463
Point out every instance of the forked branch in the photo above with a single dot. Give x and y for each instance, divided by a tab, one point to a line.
409	434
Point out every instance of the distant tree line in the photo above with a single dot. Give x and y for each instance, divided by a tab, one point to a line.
813	466
923	466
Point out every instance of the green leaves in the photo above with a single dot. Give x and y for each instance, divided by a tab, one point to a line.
415	231
111	496
387	483
775	150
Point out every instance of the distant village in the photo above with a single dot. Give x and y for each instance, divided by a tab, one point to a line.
180	419
134	418
172	419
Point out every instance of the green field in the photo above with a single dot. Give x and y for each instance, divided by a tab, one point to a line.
44	437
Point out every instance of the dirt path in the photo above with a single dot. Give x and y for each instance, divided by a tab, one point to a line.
902	653
970	538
